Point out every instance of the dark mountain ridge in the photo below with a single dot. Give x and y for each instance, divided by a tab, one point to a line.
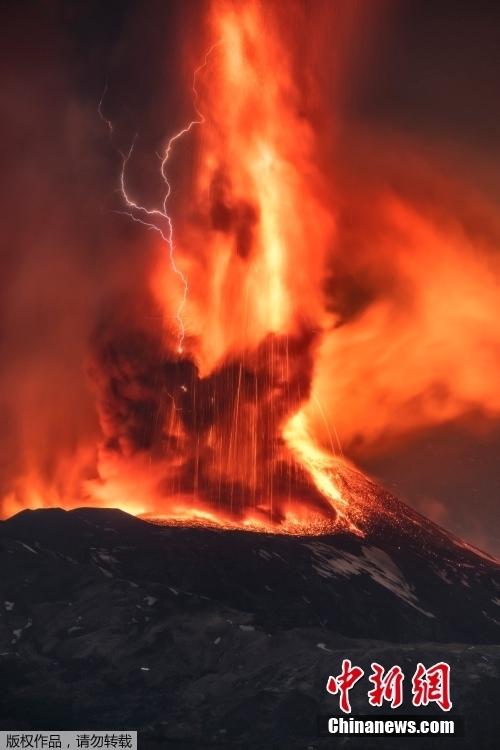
207	638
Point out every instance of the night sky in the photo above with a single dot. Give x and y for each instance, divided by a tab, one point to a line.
429	76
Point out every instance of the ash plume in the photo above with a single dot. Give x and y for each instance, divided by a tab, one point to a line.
218	436
331	204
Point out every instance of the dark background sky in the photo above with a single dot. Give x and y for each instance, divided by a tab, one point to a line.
433	75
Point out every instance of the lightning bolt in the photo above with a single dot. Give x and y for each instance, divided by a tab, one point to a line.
105	120
158	219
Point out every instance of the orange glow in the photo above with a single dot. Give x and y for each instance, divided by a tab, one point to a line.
297	520
255	254
254	257
428	362
309	300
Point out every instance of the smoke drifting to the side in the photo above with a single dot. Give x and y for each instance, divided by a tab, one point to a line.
342	288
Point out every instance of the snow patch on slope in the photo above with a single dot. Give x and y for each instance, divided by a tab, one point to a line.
372	561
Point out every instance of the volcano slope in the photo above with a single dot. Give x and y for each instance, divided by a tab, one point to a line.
207	638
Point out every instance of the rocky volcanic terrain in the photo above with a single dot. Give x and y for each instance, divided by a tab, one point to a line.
204	638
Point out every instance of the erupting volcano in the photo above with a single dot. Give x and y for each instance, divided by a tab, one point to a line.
267	323
216	404
238	281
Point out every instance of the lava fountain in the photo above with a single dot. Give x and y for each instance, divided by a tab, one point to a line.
242	297
298	288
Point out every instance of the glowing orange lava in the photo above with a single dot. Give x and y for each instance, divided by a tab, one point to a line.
253	260
281	321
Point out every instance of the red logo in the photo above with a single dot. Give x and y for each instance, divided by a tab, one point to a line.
387	687
343	683
431	685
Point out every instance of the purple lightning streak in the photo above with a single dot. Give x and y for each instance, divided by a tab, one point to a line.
154	217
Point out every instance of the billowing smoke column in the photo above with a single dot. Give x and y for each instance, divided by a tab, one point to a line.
215	403
215	443
310	273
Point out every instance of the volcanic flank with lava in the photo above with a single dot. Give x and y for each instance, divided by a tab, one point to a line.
218	393
217	401
205	418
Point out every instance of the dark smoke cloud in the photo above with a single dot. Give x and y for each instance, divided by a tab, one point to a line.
144	394
232	215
